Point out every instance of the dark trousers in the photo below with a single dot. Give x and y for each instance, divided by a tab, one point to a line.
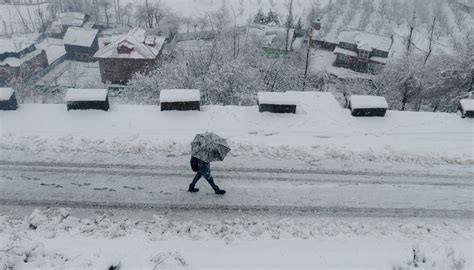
207	175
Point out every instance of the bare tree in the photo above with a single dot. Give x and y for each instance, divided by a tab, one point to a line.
105	5
289	23
430	48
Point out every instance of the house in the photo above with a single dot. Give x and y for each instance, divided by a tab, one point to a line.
19	60
128	54
362	52
74	19
81	44
276	40
59	27
200	35
55	30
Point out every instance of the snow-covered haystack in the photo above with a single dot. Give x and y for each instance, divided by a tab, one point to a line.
8	99
87	99
466	106
180	100
276	102
320	130
368	106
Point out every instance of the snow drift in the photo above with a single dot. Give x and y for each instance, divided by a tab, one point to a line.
321	130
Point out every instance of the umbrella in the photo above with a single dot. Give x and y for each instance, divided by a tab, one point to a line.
209	147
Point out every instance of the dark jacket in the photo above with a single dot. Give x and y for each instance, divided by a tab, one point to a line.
204	167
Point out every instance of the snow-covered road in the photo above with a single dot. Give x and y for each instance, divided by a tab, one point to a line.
316	192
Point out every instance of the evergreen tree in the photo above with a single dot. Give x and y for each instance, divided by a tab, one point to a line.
273	17
259	18
299	28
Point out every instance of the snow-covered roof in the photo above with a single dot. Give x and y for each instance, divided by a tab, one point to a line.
74	94
368	102
6	93
365	41
467	104
276	98
179	95
134	39
72	18
378	59
340	50
80	36
55	27
16	62
13	45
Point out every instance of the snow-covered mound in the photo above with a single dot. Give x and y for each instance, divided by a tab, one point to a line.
54	239
320	130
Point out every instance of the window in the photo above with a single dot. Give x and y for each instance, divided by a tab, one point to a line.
364	54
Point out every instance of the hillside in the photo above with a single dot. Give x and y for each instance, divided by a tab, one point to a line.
454	19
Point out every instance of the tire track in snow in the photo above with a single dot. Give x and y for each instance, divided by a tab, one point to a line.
313	210
287	176
4	163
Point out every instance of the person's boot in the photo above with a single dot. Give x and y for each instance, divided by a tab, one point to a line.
192	188
219	191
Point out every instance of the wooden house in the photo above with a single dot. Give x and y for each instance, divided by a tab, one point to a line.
362	52
128	54
276	41
81	44
72	19
19	60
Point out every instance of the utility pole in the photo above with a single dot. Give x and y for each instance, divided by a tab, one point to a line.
289	21
314	26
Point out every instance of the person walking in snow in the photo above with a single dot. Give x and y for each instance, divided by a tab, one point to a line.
203	169
205	148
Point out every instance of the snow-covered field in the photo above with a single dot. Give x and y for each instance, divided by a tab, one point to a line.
54	238
320	131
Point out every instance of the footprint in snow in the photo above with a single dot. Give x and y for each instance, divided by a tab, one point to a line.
100	189
270	134
8	178
25	177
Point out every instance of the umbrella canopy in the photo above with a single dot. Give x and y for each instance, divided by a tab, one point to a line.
209	147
